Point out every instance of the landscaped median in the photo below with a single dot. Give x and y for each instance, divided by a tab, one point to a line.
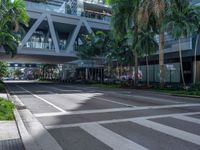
6	106
186	93
190	91
6	109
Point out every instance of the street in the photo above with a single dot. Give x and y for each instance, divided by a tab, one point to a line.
80	117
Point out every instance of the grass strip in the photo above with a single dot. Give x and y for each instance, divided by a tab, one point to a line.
6	109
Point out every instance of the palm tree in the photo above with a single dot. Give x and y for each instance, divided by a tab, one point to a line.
155	9
125	24
180	23
132	17
12	15
119	52
196	17
148	45
93	47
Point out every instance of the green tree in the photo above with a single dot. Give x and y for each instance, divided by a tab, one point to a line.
148	45
94	47
18	73
153	12
180	23
119	53
48	70
3	69
12	15
125	24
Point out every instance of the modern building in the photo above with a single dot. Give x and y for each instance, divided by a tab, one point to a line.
56	28
172	72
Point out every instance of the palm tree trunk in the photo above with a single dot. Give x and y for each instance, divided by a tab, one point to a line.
161	58
147	69
121	70
136	68
118	70
181	62
195	59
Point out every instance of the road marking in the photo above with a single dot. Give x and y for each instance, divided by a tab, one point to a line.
155	99
186	136
104	99
41	136
117	120
128	94
187	118
58	108
110	138
114	110
98	98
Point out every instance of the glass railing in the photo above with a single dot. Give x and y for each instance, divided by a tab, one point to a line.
43	6
102	2
195	1
96	15
40	45
65	10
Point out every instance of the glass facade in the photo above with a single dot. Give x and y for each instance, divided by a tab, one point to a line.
171	73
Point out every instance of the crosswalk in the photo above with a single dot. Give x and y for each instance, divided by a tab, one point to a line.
79	120
111	138
118	141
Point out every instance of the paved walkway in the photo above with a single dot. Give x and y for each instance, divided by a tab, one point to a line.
9	135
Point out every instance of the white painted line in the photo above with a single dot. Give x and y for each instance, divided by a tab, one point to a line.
156	99
53	114
187	118
58	108
186	136
110	138
130	95
117	120
42	137
104	99
114	110
98	98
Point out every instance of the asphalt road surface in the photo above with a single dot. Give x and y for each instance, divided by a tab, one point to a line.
86	118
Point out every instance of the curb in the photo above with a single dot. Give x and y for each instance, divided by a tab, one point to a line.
27	140
178	95
189	96
33	134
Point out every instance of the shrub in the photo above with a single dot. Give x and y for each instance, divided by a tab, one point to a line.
2	87
195	87
6	109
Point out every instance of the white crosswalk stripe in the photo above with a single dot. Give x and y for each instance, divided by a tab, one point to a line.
187	118
112	139
186	136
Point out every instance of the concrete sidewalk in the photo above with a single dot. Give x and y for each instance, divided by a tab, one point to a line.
27	129
9	135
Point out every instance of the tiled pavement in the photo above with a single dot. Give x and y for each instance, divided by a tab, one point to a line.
9	136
